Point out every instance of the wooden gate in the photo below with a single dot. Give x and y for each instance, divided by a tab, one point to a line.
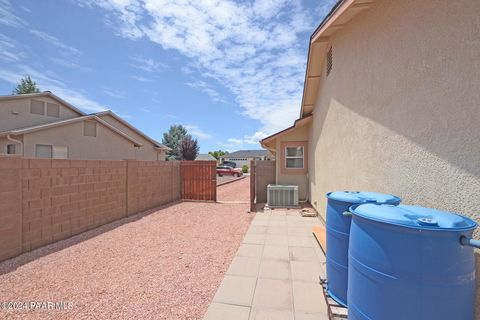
199	180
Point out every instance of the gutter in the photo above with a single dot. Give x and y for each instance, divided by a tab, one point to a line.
15	141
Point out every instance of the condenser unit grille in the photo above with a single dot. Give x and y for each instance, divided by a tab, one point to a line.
282	196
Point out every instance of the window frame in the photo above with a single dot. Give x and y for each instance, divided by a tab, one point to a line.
54	105
294	157
14	148
36	101
283	157
85	124
44	145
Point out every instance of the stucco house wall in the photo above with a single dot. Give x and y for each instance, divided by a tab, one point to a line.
15	113
107	145
147	151
399	112
298	179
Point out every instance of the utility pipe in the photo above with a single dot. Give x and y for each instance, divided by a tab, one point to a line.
470	242
16	141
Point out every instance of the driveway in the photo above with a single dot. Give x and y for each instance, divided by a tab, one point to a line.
163	264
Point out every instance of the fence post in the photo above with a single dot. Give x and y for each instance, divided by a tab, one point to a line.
252	186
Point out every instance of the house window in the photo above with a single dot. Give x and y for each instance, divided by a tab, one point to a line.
11	149
60	152
90	128
37	107
294	157
329	61
43	151
53	110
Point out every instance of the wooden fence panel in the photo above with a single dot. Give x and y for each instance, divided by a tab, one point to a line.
199	180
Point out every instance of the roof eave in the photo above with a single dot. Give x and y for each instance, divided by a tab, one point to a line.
341	13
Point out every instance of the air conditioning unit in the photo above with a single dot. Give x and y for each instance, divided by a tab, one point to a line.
282	196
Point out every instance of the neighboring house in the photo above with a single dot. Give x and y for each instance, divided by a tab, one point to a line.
243	157
205	157
391	103
42	125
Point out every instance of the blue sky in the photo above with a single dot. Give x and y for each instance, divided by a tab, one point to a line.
231	71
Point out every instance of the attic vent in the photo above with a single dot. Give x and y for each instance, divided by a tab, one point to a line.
329	61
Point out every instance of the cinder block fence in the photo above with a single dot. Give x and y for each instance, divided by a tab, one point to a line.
43	201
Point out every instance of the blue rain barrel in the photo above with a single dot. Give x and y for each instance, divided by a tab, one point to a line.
407	262
338	230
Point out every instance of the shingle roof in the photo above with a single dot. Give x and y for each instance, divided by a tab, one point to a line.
49	125
205	157
248	154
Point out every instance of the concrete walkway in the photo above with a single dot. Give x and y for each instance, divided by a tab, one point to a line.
274	274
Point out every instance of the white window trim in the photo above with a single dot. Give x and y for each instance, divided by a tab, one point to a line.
295	157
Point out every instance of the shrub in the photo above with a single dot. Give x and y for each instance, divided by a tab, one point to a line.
244	168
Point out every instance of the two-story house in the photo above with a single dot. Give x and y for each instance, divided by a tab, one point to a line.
42	125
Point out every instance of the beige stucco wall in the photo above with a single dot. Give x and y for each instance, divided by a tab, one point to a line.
107	145
146	152
400	111
24	118
301	180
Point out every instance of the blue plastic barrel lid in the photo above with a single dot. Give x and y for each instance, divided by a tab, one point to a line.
414	217
363	197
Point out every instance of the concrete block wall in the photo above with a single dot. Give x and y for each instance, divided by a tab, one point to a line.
47	200
152	183
264	175
10	208
61	198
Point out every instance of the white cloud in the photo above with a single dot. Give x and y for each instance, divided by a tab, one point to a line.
146	64
114	93
8	17
247	142
255	138
252	48
235	141
49	81
56	42
206	88
197	132
9	49
146	110
141	79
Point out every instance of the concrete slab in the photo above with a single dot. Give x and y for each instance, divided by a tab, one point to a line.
308	298
271	314
244	266
303	254
305	271
274	269
273	294
221	311
236	290
275	252
254	238
250	250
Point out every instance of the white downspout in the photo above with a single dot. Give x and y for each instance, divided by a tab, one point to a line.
15	141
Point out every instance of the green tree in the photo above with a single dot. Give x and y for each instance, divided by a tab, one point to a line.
188	148
172	139
217	154
26	85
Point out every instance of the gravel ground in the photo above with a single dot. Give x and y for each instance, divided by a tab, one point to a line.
224	179
163	264
238	191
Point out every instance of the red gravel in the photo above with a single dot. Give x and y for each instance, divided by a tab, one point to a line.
238	191
164	265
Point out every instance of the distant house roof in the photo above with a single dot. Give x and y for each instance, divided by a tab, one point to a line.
205	157
49	125
42	94
111	113
248	154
